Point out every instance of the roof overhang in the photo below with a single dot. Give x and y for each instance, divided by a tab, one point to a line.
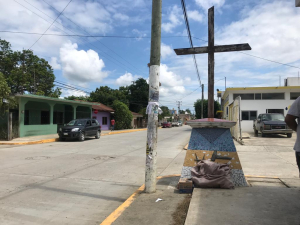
41	98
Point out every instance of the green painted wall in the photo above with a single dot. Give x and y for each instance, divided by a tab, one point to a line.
35	106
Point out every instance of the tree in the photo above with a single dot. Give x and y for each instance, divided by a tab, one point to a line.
188	111
138	93
181	112
82	98
165	112
198	106
5	94
26	73
107	96
122	115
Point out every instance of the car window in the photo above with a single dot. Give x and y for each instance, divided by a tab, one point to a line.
88	123
95	123
76	123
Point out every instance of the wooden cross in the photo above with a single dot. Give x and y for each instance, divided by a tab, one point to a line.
211	49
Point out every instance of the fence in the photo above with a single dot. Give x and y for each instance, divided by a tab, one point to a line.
235	115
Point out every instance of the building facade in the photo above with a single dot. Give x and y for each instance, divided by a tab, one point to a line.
257	100
103	114
40	115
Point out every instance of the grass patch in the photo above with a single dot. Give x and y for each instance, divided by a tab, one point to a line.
180	214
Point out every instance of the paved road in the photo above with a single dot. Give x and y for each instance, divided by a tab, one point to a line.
80	182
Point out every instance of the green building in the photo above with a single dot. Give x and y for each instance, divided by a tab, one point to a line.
40	115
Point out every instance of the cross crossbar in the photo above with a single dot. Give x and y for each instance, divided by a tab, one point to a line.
218	48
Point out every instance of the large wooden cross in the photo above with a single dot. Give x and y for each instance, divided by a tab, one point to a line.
211	49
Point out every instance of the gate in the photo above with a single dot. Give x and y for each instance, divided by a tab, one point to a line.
235	115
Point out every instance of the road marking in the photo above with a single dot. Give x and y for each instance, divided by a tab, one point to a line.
118	212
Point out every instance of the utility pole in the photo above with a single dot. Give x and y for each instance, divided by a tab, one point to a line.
225	83
151	152
178	104
202	101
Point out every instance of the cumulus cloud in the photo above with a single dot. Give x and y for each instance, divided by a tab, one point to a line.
174	19
140	34
166	50
205	4
195	15
66	93
55	65
80	65
126	79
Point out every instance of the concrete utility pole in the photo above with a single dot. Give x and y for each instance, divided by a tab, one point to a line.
151	152
202	104
225	83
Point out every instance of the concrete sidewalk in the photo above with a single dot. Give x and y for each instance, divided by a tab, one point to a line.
54	137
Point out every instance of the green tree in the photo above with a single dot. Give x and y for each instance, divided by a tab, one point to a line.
165	112
122	115
82	98
198	106
26	73
5	94
138	93
181	112
107	96
188	111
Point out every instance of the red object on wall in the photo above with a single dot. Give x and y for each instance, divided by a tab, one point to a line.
95	111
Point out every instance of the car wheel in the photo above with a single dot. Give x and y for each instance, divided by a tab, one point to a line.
81	136
289	135
97	135
255	133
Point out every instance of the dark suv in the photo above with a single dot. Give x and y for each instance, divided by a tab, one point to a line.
79	129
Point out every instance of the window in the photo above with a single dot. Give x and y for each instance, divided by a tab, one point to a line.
95	122
272	96
249	96
249	115
88	123
295	95
281	111
45	117
104	120
258	96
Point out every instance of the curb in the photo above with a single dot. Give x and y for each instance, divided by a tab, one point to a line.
57	139
118	212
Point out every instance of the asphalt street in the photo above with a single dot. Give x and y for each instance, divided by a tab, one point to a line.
80	182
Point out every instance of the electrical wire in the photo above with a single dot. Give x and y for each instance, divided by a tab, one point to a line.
51	24
190	37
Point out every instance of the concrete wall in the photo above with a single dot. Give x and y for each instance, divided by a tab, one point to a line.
99	117
35	106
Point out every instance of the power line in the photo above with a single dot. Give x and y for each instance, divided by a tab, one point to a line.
67	33
284	64
50	24
90	34
190	37
87	36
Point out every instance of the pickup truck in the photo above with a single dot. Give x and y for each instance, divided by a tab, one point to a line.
271	123
80	129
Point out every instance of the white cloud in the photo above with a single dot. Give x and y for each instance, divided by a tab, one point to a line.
166	50
121	17
80	65
55	65
205	4
140	34
66	93
174	19
126	79
195	15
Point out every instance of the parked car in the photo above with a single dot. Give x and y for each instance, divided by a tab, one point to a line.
166	124
80	129
175	124
271	123
180	123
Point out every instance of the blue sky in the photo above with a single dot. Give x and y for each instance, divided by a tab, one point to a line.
272	29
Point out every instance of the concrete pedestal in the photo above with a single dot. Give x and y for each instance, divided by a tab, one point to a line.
209	135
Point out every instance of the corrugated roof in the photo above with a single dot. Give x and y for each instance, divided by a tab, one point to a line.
136	114
103	108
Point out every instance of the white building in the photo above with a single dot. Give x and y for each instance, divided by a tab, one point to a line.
257	100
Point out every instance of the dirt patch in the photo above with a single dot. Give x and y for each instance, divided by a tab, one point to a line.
180	214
